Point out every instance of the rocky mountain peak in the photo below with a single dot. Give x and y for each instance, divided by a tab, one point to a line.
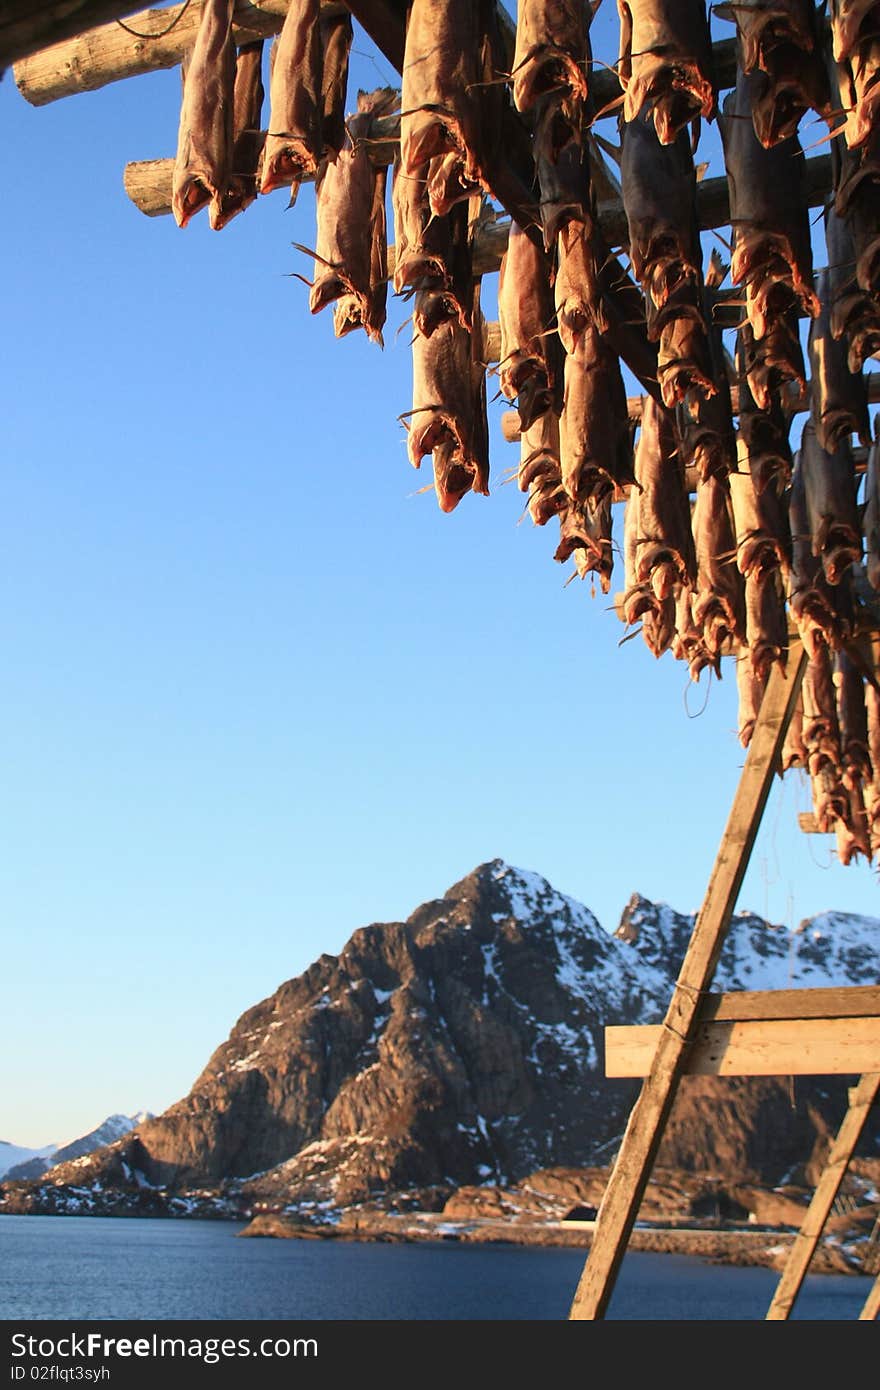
466	1044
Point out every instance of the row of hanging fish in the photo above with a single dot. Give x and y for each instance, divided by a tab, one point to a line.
834	737
225	157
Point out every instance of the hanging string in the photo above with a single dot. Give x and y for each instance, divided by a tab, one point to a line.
159	34
688	686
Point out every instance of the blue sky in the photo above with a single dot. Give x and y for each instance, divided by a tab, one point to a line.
258	690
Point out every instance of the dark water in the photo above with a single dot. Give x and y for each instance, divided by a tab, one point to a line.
96	1268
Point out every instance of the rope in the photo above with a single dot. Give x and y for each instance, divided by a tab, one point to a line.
135	33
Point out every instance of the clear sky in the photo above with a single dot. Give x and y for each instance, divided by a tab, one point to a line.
258	691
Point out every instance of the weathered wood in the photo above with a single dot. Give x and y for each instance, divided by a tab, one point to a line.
862	1097
111	53
845	1001
626	1186
26	26
872	1303
755	1047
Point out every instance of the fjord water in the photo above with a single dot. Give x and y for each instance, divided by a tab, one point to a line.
105	1267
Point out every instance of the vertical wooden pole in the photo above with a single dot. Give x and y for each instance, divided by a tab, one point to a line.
861	1098
632	1168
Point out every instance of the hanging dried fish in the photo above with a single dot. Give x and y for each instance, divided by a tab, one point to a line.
659	195
832	515
763	441
856	177
640	602
823	612
336	39
594	428
852	829
623	309
719	595
763	535
585	536
847	19
431	253
205	134
687	643
857	83
666	62
540	470
577	290
684	364
871	522
242	186
531	367
772	255
439	111
551	51
562	165
766	623
772	362
794	752
779	43
872	788
839	396
821	730
750	691
351	251
830	799
664	546
448	419
658	626
294	142
855	315
852	719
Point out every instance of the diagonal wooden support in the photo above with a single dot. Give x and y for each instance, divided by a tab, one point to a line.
872	1303
632	1168
862	1097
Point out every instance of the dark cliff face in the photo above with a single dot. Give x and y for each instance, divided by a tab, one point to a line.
465	1045
461	1045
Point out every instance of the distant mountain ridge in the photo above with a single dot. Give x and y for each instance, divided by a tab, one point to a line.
466	1046
22	1164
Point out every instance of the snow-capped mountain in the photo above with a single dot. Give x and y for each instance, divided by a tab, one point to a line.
466	1045
26	1164
14	1155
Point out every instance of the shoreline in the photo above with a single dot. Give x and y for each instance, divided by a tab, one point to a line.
766	1247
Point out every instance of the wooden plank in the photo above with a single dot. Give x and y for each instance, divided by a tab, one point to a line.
872	1303
26	26
846	1001
755	1047
111	53
862	1098
626	1185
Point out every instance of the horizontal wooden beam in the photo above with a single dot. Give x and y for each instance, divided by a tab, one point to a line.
111	53
27	26
759	1047
148	185
740	1005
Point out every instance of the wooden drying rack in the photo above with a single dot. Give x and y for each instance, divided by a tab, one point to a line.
744	1033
